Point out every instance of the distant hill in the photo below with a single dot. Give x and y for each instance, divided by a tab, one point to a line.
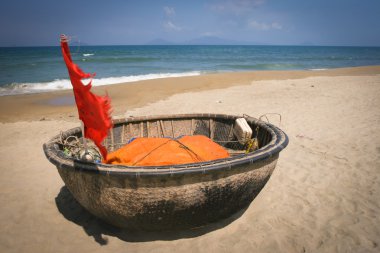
160	42
204	40
211	40
78	43
307	43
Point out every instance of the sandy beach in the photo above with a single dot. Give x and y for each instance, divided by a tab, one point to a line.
322	196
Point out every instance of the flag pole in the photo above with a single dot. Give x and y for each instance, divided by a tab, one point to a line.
84	139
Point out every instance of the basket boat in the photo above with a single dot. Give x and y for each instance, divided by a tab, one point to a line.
175	196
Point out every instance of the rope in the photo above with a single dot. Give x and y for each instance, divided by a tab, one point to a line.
200	159
271	113
73	147
151	152
66	38
169	140
253	144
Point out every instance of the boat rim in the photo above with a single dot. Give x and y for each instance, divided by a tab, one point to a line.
279	142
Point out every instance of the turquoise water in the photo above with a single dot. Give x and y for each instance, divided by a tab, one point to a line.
41	69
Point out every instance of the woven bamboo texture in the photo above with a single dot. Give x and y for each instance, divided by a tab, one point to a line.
171	197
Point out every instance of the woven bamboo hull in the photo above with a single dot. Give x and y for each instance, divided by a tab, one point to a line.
169	202
169	197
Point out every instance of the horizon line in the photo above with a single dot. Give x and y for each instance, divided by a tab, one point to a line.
183	44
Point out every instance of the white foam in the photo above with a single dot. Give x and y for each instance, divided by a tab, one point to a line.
317	69
87	55
64	84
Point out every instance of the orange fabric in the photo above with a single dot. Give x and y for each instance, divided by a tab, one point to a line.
164	151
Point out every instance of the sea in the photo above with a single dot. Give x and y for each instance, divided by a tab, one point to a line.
41	69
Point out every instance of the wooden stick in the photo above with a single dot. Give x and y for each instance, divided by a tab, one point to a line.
230	134
112	140
84	139
122	133
172	128
129	129
212	129
162	128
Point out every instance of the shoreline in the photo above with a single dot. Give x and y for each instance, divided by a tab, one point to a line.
132	95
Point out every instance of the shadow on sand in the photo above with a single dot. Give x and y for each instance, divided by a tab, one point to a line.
99	229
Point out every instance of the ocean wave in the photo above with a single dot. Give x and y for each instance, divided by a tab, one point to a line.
87	55
121	59
65	84
320	69
262	66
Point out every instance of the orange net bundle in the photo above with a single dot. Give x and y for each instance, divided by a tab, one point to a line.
165	151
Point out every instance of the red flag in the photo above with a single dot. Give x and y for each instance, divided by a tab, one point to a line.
93	110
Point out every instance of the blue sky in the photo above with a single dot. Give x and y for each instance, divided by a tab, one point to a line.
279	22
